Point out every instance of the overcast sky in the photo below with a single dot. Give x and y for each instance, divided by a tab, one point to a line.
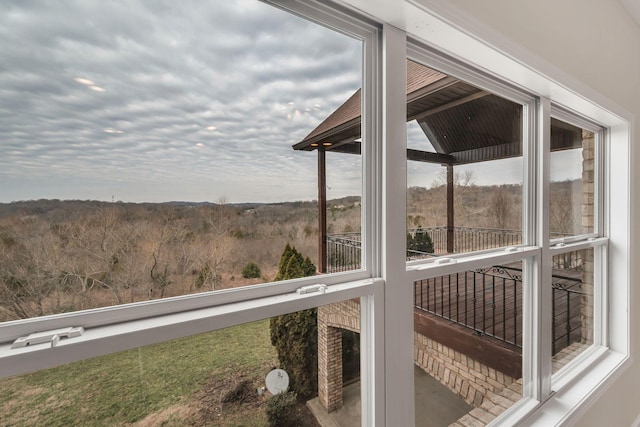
166	100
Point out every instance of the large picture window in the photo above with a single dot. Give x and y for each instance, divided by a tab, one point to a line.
415	233
160	162
474	139
150	153
476	304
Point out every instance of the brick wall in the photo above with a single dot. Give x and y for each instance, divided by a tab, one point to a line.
465	376
588	172
331	319
345	315
468	378
330	367
496	403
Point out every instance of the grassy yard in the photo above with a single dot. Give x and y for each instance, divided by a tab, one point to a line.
209	379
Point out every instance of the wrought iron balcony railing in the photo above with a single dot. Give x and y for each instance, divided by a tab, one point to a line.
487	301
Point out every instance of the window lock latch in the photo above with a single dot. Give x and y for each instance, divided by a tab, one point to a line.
311	289
52	337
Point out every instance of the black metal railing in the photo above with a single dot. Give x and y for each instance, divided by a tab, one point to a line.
566	311
467	239
344	252
489	302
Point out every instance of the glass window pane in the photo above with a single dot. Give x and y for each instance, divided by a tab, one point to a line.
343	214
219	378
167	149
573	305
572	180
424	219
464	166
468	345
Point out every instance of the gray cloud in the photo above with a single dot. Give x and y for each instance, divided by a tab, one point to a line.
165	100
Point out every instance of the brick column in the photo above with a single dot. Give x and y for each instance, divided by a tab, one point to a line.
329	363
587	303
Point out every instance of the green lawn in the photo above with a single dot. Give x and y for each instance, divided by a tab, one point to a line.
172	383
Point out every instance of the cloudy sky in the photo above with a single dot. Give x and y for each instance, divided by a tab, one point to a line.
166	100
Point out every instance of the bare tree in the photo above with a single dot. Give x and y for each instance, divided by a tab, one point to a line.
565	207
215	244
499	208
464	187
25	281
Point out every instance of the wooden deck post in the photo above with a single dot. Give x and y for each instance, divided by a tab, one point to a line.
322	211
450	220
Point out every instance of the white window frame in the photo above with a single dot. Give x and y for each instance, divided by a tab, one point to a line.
341	21
600	173
443	28
387	322
112	329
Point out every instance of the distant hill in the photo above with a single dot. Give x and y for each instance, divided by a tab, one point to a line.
64	255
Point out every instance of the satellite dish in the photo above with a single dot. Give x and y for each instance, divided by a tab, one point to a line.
277	381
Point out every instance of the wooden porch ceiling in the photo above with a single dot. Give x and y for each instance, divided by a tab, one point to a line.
463	123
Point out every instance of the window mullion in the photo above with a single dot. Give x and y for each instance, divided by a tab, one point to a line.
601	303
372	368
602	217
599	183
540	351
372	357
398	330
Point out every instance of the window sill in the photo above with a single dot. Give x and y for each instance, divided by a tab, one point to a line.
578	386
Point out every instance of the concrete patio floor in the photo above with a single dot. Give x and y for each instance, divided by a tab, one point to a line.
436	405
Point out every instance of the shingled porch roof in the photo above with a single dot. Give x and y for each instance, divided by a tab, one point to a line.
464	124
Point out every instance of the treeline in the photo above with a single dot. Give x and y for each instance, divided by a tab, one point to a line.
60	256
496	206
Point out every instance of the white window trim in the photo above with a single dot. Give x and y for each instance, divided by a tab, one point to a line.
448	30
112	329
387	331
398	328
472	261
538	380
571	118
111	338
342	21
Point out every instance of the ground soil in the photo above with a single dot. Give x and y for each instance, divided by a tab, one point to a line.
225	401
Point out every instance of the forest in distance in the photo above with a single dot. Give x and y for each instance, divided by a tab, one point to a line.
60	256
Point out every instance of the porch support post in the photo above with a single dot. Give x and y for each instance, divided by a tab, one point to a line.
450	220
322	211
329	362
